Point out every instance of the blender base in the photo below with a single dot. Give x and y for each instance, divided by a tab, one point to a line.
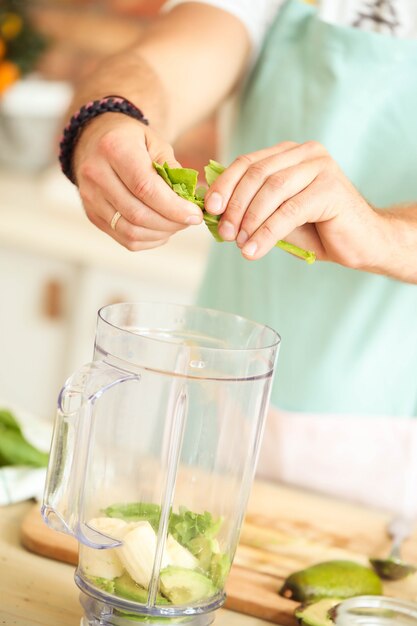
99	613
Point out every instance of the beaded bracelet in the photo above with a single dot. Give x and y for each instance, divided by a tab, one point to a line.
72	131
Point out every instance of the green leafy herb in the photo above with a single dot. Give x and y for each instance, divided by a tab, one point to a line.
136	512
187	525
8	421
184	182
14	449
212	171
184	525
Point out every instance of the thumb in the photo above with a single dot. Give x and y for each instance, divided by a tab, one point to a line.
163	153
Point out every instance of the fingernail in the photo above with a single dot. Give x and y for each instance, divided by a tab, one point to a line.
194	220
242	238
250	249
214	203
227	231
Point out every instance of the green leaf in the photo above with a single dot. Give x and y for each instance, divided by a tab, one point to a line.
15	450
212	223
8	420
162	172
212	171
135	512
183	176
184	181
200	192
186	525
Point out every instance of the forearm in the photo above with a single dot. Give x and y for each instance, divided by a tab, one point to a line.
396	255
180	70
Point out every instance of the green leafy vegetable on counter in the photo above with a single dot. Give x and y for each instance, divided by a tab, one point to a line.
8	421
14	449
184	182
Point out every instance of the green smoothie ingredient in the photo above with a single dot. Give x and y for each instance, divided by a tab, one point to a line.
193	567
331	579
14	449
135	512
102	583
125	587
317	613
183	586
184	182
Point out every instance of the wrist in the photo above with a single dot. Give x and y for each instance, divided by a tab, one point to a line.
83	117
397	243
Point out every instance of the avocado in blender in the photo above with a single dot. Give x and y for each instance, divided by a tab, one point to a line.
331	579
182	586
125	587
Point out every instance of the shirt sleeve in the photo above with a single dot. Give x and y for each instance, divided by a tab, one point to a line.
256	16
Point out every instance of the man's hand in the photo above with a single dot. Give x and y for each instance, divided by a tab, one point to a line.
297	192
113	169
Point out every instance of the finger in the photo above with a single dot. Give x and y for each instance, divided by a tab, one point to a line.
218	196
118	198
278	188
125	231
138	175
305	207
131	244
268	172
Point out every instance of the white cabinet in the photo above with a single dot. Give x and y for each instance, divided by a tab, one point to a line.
34	322
56	271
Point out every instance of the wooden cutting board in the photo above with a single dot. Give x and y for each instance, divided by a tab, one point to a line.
285	530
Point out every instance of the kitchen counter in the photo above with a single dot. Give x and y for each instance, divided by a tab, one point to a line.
35	591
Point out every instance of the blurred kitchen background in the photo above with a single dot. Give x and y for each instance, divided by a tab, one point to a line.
56	268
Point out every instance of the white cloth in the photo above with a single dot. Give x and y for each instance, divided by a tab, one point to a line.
365	459
22	483
396	17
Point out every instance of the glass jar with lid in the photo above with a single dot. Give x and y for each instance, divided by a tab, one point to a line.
376	611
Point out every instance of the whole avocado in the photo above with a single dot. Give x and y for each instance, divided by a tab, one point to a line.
331	579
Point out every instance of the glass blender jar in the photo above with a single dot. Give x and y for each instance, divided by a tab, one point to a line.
153	456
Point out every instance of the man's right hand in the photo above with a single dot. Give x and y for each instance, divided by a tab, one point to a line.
113	170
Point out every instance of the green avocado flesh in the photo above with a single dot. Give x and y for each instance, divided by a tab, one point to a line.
331	579
316	614
182	586
125	587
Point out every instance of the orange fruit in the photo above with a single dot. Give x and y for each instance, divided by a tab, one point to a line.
9	73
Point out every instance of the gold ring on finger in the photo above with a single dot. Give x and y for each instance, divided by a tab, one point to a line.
114	220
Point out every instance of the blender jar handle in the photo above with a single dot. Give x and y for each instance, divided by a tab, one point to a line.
63	496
